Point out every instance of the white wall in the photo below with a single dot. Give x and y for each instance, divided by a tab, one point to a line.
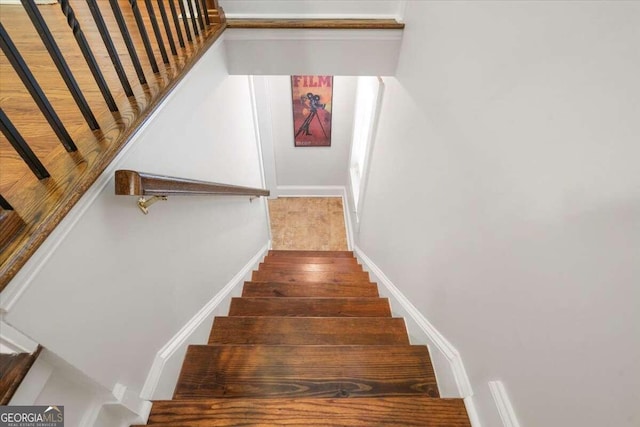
312	51
504	199
315	166
121	284
313	9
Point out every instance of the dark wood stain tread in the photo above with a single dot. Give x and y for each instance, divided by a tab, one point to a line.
308	260
305	371
310	307
304	267
13	369
276	289
310	276
330	254
265	330
415	411
308	344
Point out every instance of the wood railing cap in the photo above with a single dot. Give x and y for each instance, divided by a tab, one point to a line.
134	183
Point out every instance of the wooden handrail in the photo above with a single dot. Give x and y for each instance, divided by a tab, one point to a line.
132	183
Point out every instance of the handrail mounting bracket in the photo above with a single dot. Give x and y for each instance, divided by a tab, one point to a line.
144	204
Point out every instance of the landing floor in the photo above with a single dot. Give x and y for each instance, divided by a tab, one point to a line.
308	223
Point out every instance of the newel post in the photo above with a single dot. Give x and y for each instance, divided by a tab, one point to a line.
216	14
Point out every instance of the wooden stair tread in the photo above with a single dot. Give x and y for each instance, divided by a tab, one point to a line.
11	224
309	331
13	369
304	371
343	268
414	411
334	254
316	289
310	276
309	343
308	260
310	307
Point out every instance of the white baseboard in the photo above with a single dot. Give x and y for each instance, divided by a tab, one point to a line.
309	16
439	341
181	339
503	403
472	412
310	190
347	218
14	341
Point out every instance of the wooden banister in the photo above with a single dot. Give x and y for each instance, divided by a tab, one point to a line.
132	183
92	42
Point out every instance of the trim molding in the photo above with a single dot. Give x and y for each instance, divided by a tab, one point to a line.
310	16
472	412
503	403
347	218
310	190
439	341
179	339
14	340
305	34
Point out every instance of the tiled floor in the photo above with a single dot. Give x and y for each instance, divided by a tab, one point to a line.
308	223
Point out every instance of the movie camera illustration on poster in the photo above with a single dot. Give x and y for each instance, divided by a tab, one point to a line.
312	98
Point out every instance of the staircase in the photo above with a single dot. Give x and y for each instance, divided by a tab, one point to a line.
309	343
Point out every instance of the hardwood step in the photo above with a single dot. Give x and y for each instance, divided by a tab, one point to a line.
415	411
305	371
334	254
308	260
309	331
313	289
338	268
13	369
310	307
309	276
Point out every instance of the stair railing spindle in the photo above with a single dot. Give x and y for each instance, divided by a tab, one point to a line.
54	51
143	33
205	10
167	27
124	30
88	54
185	21
25	74
20	145
176	22
156	31
193	17
199	13
111	49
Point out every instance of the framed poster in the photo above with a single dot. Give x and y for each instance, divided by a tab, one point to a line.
312	98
